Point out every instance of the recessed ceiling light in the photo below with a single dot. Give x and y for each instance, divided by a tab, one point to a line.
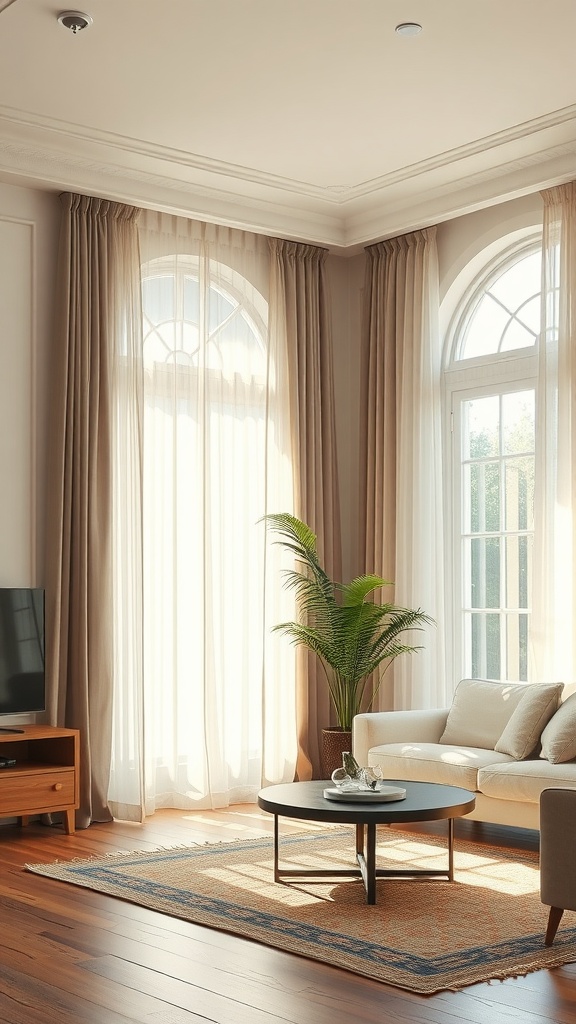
408	28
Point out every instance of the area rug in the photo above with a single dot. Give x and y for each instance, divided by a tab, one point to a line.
422	935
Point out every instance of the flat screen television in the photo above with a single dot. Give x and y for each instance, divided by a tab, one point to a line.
22	670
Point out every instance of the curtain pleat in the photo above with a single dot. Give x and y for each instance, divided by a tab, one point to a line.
553	621
97	305
299	303
402	453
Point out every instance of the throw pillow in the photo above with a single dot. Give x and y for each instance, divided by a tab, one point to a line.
559	736
480	710
521	735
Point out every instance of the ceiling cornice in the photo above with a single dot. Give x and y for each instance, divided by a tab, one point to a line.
52	154
530	135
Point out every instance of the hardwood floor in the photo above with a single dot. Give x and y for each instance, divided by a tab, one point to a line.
72	956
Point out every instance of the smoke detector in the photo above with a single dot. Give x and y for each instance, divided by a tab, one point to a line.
74	20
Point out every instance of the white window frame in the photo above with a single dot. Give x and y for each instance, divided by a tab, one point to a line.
465	379
458	499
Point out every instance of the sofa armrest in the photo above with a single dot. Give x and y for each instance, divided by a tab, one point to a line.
377	727
558	847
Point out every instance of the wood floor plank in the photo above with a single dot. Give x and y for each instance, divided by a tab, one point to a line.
224	1009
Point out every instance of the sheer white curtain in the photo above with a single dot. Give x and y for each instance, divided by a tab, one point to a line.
420	679
553	626
402	399
205	701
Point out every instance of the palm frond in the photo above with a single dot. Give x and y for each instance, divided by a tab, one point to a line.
358	589
351	635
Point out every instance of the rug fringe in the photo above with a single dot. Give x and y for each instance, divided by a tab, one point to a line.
181	848
95	858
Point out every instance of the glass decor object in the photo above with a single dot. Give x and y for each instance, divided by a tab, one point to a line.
352	778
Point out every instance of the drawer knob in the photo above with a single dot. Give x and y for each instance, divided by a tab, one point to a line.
57	786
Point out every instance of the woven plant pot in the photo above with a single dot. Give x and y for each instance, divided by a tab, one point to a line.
334	742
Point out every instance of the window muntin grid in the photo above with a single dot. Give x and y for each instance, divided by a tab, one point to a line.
497	486
491	389
503	313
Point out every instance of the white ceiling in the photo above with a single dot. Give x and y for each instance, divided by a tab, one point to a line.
307	118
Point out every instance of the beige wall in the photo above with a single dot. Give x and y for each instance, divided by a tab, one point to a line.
28	240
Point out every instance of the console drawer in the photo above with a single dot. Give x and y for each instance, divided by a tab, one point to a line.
32	792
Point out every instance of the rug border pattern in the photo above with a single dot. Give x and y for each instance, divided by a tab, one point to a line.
417	974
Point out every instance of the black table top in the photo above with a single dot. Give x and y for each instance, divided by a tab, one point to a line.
425	801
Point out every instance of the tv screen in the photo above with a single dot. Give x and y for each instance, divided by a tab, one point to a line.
22	677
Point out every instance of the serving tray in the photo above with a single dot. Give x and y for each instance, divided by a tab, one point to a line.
370	796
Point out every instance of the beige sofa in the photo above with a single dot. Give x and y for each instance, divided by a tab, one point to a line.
505	742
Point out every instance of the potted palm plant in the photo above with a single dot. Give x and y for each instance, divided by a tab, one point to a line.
351	635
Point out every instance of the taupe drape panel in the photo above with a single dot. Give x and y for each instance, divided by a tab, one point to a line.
300	288
97	290
400	432
378	405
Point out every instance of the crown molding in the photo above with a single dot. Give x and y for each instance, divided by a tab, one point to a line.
531	135
266	213
515	167
51	154
192	164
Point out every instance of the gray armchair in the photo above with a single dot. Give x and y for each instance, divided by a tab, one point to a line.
557	855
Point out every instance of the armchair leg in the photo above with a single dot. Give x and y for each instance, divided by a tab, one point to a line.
554	919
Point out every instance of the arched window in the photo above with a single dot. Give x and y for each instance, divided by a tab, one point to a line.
224	334
204	478
490	378
204	713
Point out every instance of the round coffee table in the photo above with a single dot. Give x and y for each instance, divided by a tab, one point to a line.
424	801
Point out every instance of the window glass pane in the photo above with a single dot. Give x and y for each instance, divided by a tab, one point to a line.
518	559
516	336
519	281
485	645
484	497
485	572
517	646
518	411
485	329
519	493
481	427
187	342
158	298
157	347
529	314
221	307
191	300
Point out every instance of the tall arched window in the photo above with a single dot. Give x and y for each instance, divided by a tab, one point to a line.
204	439
490	378
211	715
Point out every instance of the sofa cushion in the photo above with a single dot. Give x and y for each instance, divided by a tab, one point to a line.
559	737
521	735
433	762
480	711
525	780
